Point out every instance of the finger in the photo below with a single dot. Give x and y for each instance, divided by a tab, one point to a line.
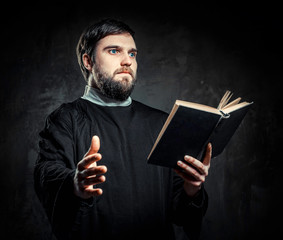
93	192
208	154
87	161
94	180
88	172
188	178
190	171
197	164
90	182
94	146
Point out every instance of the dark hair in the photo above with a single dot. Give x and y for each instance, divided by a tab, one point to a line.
95	32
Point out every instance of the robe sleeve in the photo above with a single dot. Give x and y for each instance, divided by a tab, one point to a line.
54	170
188	212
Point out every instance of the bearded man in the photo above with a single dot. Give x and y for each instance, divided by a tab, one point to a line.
91	174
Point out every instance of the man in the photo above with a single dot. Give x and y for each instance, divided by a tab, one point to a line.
91	174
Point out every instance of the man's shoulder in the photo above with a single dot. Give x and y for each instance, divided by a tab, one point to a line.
67	110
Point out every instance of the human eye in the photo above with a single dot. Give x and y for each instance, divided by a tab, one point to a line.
132	54
113	51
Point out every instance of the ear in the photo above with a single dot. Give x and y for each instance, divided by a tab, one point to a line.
87	61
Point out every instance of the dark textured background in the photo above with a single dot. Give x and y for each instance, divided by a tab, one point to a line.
186	52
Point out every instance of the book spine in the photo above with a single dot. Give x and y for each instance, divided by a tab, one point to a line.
203	151
224	115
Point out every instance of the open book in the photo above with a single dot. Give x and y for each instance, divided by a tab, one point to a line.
191	126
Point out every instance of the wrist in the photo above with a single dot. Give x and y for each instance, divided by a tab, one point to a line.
191	190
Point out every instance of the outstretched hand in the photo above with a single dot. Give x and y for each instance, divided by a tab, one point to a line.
88	174
195	172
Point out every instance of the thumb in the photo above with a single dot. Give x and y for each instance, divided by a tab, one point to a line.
94	146
207	157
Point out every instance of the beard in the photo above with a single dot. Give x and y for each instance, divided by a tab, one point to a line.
118	90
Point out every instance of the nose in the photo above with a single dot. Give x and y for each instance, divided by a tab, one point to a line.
126	60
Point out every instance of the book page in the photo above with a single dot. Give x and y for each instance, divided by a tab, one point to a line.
225	99
236	107
198	106
235	102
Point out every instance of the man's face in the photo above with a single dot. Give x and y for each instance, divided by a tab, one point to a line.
115	66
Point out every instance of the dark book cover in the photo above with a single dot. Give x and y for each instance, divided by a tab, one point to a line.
189	132
226	129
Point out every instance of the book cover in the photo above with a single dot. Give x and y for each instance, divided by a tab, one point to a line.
190	127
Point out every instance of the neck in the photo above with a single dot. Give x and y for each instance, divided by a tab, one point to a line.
95	96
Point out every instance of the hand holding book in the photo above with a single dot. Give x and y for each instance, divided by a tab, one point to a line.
194	171
191	126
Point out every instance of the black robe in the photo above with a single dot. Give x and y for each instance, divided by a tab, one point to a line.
139	201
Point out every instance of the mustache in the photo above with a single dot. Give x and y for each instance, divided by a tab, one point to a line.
124	70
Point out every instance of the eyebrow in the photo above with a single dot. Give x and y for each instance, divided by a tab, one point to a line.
119	47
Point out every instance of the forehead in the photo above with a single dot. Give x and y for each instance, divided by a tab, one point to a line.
124	40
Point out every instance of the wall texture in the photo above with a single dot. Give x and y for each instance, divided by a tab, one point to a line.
186	52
